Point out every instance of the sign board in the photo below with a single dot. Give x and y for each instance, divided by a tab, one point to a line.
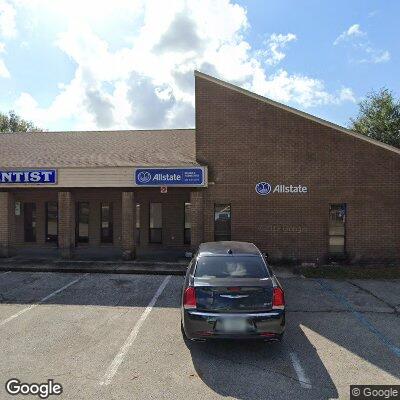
194	176
30	177
265	188
164	189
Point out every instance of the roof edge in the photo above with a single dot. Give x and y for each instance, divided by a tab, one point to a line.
99	131
296	111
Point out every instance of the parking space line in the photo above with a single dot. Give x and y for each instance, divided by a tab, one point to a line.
4	273
363	321
113	368
301	375
5	321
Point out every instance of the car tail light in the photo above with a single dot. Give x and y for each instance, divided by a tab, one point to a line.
234	289
189	298
278	299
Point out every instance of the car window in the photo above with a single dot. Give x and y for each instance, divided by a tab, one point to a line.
230	267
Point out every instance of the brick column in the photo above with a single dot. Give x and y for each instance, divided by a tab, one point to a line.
7	225
197	218
66	224
128	227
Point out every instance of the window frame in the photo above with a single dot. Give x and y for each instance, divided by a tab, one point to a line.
78	238
50	238
33	238
230	222
151	230
344	235
187	239
110	238
137	228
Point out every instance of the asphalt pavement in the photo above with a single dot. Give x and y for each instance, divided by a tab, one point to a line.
117	336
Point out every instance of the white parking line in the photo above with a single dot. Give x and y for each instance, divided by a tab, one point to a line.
113	368
5	321
7	272
304	381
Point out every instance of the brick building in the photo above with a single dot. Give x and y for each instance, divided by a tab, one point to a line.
253	170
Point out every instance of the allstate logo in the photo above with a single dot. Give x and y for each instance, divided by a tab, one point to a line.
263	188
144	177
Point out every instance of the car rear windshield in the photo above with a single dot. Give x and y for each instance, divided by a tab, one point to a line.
230	267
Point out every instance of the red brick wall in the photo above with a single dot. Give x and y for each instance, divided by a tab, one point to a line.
244	140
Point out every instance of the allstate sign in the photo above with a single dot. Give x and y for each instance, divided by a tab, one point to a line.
31	177
194	176
263	188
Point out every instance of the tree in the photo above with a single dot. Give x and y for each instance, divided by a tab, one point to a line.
379	117
11	122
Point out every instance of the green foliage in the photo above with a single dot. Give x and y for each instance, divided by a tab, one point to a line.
379	117
11	122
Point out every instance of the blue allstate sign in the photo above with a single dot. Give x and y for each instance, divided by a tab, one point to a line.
170	176
263	188
31	177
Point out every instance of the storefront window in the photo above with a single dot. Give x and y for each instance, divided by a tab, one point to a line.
82	222
30	222
137	225
222	222
188	224
155	231
51	221
337	229
106	219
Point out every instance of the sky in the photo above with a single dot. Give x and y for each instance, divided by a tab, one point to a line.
88	65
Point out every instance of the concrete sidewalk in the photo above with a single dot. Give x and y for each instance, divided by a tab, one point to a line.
119	267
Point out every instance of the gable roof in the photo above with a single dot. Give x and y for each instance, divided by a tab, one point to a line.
172	147
296	111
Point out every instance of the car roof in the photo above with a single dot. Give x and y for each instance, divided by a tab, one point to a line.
228	248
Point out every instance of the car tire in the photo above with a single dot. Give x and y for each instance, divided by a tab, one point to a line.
183	332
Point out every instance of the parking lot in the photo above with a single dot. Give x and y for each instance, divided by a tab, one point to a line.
110	336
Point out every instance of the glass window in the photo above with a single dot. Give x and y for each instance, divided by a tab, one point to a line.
187	224
337	228
82	222
106	219
155	231
231	267
137	226
222	222
51	221
30	222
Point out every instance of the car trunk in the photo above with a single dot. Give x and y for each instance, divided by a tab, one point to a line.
233	294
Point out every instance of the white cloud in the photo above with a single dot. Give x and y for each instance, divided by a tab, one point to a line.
7	30
362	50
7	20
275	44
354	31
4	72
147	81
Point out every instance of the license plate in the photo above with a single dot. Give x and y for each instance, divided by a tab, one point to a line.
234	325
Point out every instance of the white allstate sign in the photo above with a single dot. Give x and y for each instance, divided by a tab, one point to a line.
265	188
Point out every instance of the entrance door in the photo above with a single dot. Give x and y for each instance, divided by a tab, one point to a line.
30	222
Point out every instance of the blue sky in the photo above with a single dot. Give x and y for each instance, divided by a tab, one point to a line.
129	64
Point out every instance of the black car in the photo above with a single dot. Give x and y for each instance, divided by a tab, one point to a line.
230	292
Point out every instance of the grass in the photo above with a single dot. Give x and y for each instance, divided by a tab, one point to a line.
350	272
